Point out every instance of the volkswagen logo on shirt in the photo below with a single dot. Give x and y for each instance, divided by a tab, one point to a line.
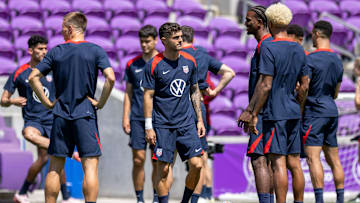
177	87
36	98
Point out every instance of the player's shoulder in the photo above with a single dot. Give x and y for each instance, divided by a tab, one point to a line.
20	70
154	62
188	57
133	60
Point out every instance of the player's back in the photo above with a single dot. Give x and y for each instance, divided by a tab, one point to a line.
75	67
326	72
285	61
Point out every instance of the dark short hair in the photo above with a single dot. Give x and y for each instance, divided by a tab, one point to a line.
188	34
260	13
296	30
324	27
148	31
167	29
35	40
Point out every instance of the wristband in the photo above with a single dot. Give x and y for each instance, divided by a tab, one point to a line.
148	124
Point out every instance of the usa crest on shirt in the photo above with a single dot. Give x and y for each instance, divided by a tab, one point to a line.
49	78
186	69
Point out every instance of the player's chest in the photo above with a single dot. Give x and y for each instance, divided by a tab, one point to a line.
137	73
168	75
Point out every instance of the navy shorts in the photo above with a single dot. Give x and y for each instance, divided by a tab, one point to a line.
82	133
137	135
282	137
45	129
183	139
319	131
255	145
203	140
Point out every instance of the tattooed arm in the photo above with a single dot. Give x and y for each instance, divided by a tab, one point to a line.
195	98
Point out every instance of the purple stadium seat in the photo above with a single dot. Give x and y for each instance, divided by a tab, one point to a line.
205	44
316	7
189	8
225	27
200	30
229	46
263	2
4	11
27	26
124	25
339	32
155	21
105	43
21	45
55	40
97	27
58	7
25	8
300	10
251	44
355	21
24	60
7	49
53	25
89	7
127	45
241	101
147	8
119	8
7	66
2	122
224	125
239	85
239	65
5	29
350	7
347	85
222	105
159	46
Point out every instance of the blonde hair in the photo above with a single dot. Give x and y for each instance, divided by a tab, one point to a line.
76	19
279	15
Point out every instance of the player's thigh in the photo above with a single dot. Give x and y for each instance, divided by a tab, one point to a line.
312	131
330	132
87	137
293	136
62	141
137	135
188	143
293	161
165	144
32	130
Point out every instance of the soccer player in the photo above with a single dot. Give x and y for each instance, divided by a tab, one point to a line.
204	63
75	65
257	25
38	120
296	33
133	113
321	114
282	63
170	80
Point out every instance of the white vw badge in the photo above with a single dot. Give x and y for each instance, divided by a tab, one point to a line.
185	69
47	94
177	87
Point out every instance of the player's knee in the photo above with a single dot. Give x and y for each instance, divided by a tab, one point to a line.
164	172
259	162
138	162
43	159
196	164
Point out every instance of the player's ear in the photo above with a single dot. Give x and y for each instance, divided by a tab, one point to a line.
163	40
30	51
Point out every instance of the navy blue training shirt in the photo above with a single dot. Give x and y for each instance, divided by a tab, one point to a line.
134	74
285	60
33	110
75	68
254	68
171	81
326	72
205	63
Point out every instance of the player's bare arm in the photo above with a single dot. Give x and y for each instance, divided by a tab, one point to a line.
148	108
34	81
108	85
7	101
302	91
227	74
357	94
196	99
127	108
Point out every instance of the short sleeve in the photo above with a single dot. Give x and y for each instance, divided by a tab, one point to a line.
341	72
148	77
194	75
266	63
126	75
214	65
102	60
46	65
10	84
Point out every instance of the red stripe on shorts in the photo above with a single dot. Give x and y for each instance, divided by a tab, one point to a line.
268	144
255	144
306	134
98	140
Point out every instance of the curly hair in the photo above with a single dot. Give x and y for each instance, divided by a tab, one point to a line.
167	29
279	15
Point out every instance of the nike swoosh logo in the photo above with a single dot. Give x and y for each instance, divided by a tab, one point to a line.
138	70
197	150
166	72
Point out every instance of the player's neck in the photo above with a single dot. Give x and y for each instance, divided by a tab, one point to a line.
77	38
322	43
171	55
260	34
150	55
279	33
33	63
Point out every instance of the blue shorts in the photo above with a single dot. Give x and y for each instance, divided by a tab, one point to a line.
319	131
203	140
255	145
184	139
82	133
45	129
137	135
282	137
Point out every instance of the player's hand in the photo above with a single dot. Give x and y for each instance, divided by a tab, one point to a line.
19	101
126	125
201	129
244	119
252	125
95	103
150	136
211	93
